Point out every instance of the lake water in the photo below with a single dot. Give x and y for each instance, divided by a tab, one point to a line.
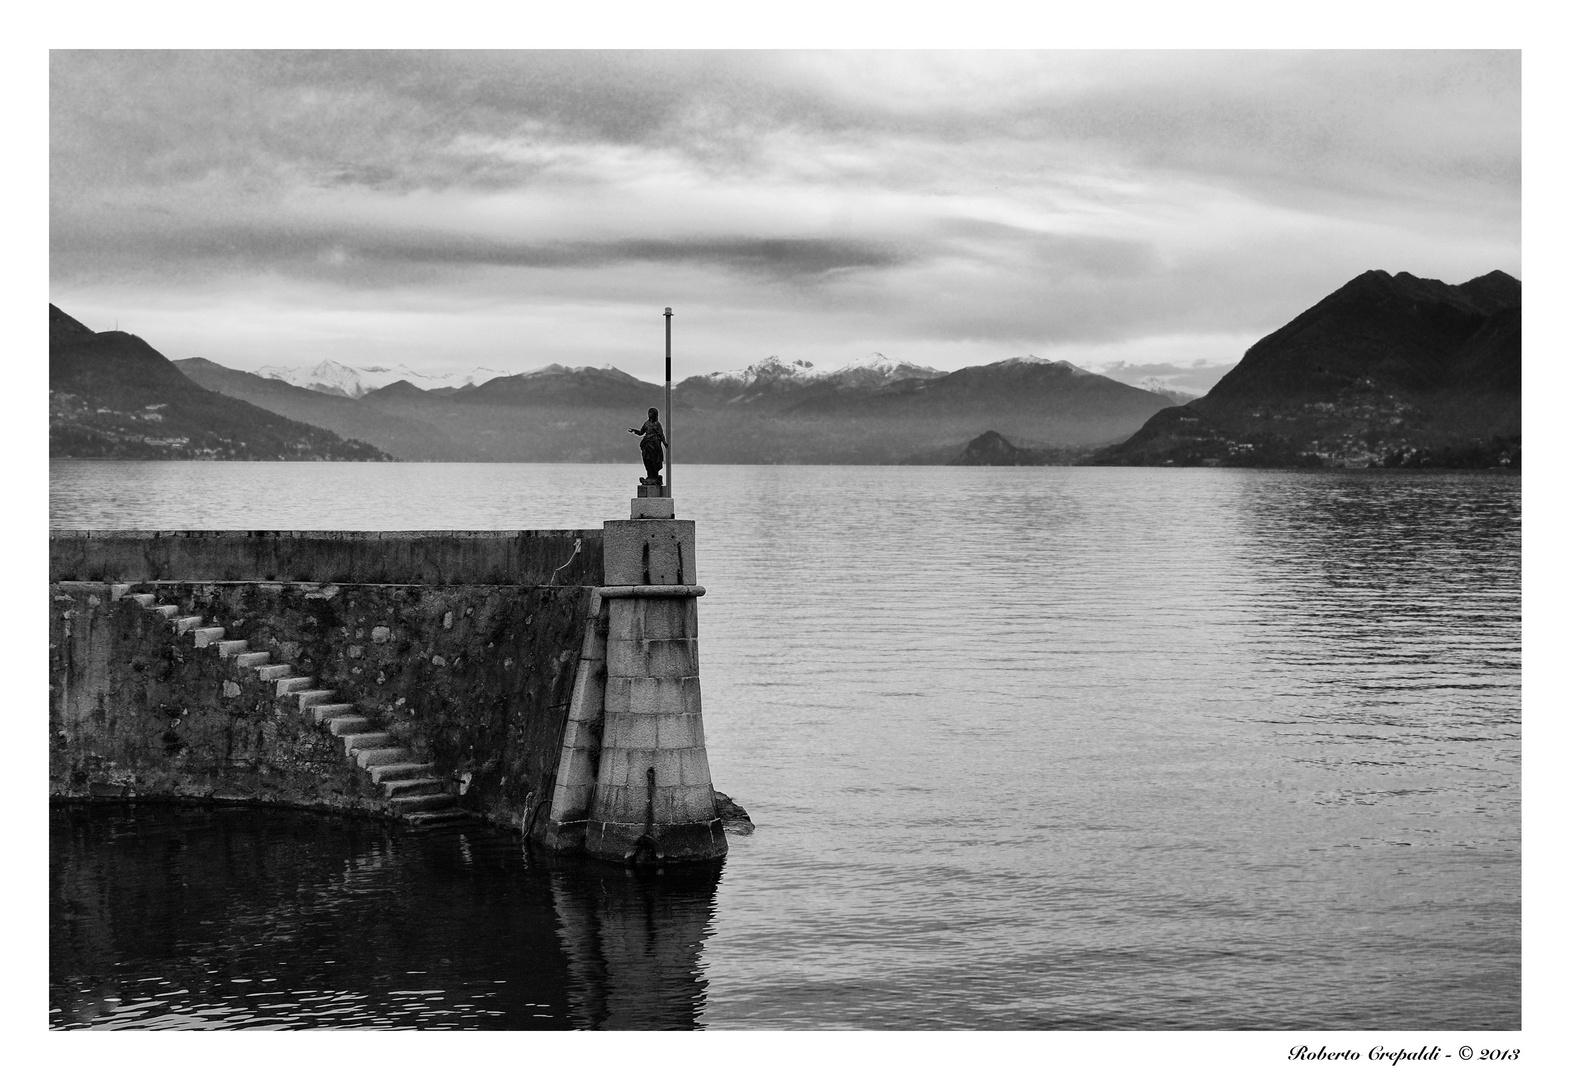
1025	748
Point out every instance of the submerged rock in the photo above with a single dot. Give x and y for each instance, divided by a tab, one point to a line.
733	819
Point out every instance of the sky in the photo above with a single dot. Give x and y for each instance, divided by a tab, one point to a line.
1136	213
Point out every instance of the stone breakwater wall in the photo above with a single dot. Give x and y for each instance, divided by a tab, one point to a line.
473	676
412	558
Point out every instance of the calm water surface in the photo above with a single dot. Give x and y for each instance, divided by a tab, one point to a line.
1044	748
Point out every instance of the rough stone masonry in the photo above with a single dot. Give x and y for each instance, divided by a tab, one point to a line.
498	659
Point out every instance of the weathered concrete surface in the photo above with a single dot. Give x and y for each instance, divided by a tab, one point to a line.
650	551
475	678
417	558
579	762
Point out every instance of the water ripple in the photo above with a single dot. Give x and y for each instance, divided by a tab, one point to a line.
1026	747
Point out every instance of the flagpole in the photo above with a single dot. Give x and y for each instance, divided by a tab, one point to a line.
669	468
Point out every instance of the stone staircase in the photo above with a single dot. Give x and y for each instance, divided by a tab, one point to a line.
411	789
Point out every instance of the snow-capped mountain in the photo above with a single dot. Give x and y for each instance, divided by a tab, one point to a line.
563	369
1031	359
331	377
769	369
1158	386
328	377
776	382
874	369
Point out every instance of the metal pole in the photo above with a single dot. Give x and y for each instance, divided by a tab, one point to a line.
669	467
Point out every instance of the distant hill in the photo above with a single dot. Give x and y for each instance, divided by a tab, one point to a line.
554	386
112	395
337	412
403	388
991	448
552	415
1389	370
1045	402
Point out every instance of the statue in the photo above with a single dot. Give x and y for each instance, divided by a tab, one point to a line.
651	444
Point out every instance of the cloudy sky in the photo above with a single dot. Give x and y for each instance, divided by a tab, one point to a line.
1133	213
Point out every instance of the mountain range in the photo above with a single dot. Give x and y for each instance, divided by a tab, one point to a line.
874	410
112	395
345	380
344	415
1389	370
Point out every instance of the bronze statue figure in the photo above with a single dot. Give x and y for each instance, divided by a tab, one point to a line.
651	444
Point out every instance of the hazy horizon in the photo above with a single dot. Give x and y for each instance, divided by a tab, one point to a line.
1196	378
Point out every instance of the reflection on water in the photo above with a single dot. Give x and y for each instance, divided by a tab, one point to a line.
183	917
633	944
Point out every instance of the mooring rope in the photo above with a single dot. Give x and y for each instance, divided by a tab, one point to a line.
578	545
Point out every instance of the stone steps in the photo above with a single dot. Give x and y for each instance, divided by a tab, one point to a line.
320	713
304	699
439	817
411	789
425	785
348	725
414	804
366	740
399	770
381	755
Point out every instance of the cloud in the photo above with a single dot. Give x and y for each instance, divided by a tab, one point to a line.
999	202
1196	377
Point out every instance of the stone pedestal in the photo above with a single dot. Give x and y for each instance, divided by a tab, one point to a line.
649	551
650	797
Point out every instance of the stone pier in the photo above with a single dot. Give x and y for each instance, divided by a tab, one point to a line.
633	779
535	679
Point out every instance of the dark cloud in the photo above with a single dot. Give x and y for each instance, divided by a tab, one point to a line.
768	257
371	255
